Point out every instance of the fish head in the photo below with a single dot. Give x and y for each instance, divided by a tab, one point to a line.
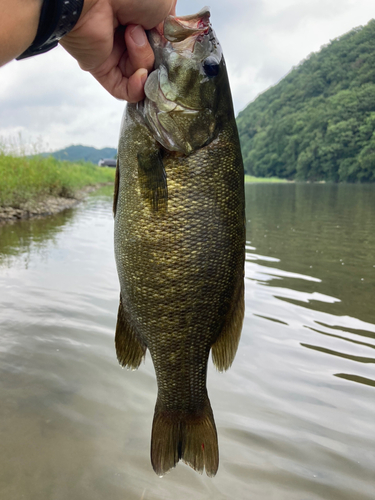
183	91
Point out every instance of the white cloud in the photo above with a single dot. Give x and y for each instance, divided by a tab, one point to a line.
49	98
265	43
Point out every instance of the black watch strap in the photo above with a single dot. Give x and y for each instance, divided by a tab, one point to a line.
57	18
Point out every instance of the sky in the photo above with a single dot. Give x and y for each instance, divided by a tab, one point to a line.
50	103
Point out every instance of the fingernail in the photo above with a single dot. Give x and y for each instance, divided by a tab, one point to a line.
138	35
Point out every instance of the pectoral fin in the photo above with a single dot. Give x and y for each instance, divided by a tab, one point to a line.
153	180
225	348
129	348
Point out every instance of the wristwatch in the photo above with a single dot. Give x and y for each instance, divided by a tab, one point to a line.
57	18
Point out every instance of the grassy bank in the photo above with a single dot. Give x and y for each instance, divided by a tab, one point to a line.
25	179
250	178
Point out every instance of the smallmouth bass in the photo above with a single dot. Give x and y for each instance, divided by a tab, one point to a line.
180	236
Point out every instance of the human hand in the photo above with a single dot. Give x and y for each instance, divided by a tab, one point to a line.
118	57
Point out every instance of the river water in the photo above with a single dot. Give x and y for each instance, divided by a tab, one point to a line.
296	412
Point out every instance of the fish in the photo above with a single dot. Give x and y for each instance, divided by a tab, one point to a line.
179	209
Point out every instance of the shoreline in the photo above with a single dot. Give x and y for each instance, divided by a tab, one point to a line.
48	205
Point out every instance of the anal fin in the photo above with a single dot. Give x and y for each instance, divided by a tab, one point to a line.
225	347
129	348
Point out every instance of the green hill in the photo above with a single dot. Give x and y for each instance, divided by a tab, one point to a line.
318	123
85	153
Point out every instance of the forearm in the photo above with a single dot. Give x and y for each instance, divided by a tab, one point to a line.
18	26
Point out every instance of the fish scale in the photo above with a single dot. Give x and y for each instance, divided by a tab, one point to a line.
179	245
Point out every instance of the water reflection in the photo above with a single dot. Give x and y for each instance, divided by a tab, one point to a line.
356	378
325	231
21	238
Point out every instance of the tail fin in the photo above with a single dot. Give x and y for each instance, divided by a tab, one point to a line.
190	437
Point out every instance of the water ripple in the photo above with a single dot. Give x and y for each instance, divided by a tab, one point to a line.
295	413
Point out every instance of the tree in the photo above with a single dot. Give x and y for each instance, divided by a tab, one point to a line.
318	123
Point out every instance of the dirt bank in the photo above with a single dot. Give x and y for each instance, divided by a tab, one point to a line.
47	206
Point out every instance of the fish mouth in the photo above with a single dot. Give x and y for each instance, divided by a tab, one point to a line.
178	34
180	29
170	121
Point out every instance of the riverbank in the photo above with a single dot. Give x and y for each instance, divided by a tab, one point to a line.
49	205
36	187
251	178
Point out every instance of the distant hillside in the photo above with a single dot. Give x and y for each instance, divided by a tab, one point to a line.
318	123
86	153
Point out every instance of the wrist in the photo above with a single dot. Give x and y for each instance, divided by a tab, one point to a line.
57	18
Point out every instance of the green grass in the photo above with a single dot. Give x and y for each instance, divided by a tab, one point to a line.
250	178
25	179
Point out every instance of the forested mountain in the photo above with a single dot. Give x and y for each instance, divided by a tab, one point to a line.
85	153
318	123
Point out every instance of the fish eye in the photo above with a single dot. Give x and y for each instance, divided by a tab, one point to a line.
211	67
